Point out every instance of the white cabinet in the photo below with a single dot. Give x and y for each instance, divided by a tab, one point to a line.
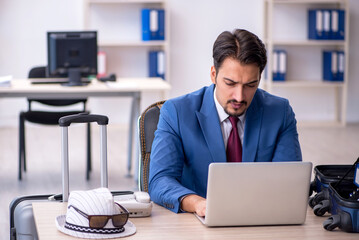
119	27
286	27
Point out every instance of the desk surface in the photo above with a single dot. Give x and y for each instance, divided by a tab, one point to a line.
163	224
23	88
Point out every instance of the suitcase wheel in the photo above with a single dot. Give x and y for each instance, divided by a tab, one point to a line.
321	208
332	222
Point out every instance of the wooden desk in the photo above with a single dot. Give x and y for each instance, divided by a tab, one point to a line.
130	87
163	224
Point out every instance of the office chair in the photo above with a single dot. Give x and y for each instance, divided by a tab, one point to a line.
47	118
147	127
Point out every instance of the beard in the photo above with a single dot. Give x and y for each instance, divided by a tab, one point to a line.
235	112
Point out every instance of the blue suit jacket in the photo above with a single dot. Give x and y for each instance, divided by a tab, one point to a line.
188	138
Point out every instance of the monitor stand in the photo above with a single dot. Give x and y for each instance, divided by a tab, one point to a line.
74	78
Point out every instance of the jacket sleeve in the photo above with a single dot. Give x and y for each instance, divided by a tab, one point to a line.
167	161
287	146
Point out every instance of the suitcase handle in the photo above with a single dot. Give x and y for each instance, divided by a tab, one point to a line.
64	123
83	118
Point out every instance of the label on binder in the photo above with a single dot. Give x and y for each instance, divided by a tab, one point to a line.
282	62
334	63
335	21
154	20
341	62
161	63
275	62
319	22
326	18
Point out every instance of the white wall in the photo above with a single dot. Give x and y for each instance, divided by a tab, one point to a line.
194	27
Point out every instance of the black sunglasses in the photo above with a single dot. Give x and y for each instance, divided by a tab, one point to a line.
99	221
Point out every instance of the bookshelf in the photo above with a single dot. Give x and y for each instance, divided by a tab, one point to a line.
118	23
286	27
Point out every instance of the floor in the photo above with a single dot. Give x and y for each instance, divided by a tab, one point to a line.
323	145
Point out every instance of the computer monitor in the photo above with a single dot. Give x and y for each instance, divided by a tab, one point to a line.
72	55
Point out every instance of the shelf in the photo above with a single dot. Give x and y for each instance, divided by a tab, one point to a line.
127	55
321	124
304	83
313	43
138	43
307	1
123	1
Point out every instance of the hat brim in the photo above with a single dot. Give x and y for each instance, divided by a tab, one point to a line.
130	229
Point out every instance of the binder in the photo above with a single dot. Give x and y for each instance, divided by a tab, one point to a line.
161	25
157	64
326	24
153	24
279	65
145	17
337	24
315	24
341	24
330	65
334	24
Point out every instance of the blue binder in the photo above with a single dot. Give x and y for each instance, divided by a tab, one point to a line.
337	24
157	64
279	65
315	24
275	68
341	25
153	24
330	66
161	25
146	33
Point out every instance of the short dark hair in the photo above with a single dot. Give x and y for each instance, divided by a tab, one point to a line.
241	45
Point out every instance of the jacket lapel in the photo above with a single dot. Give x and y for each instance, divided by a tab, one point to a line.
252	129
210	126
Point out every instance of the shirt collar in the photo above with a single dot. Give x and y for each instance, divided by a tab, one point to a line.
220	110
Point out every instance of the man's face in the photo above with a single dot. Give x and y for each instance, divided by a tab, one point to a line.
236	85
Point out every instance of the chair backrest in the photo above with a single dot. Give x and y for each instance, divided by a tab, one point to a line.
41	72
147	127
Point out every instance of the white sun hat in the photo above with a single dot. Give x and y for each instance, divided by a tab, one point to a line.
93	202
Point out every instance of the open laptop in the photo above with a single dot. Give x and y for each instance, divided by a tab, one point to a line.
246	194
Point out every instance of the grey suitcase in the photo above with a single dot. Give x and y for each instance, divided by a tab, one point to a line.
22	223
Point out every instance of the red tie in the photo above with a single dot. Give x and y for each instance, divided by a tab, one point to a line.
234	145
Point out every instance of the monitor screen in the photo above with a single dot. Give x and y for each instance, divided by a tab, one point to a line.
72	55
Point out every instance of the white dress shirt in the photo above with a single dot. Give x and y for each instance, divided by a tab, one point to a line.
226	125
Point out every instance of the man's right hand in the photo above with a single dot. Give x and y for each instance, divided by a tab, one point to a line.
194	203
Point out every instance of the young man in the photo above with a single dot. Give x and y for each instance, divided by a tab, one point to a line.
231	120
